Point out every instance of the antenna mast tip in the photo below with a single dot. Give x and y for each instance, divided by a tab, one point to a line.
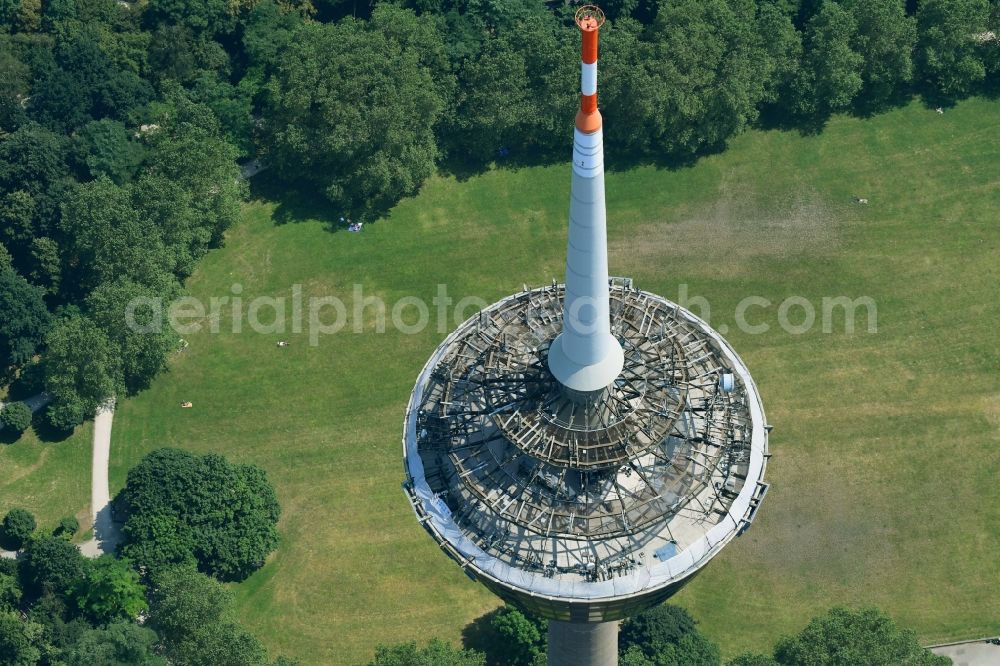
589	18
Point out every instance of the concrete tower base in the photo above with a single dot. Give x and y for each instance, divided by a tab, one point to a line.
583	643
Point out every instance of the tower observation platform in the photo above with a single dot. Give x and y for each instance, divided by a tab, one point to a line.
584	449
592	511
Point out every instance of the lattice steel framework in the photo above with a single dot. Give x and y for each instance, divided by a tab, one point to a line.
551	485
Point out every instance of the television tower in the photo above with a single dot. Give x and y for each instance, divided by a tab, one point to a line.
584	449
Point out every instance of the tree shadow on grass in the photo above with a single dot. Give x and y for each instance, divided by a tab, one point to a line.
774	117
294	204
480	635
8	436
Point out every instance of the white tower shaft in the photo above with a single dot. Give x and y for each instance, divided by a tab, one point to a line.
585	357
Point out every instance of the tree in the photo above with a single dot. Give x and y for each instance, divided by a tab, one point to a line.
172	495
83	82
634	657
658	625
141	341
82	371
665	635
845	637
521	639
29	16
688	84
690	650
171	208
15	417
990	48
67	527
109	590
552	52
17	219
483	120
158	540
24	319
105	148
107	239
10	592
183	600
8	10
33	160
18	526
269	30
118	644
56	11
351	111
436	653
193	614
210	16
188	149
46	269
51	563
232	105
783	48
15	75
830	76
19	640
949	58
886	38
178	53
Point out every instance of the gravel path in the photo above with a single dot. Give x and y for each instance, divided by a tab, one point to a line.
106	535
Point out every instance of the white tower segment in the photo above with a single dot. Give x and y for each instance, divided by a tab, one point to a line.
585	357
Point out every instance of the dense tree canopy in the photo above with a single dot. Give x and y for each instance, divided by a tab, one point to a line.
435	653
18	640
184	508
521	639
665	635
830	77
10	591
686	84
51	564
109	590
82	370
188	149
109	239
949	56
117	644
106	148
127	312
193	614
665	623
78	612
351	110
24	318
845	637
885	39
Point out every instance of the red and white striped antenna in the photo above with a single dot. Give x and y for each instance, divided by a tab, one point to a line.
589	19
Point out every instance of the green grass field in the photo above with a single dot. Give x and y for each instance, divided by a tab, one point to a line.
885	444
